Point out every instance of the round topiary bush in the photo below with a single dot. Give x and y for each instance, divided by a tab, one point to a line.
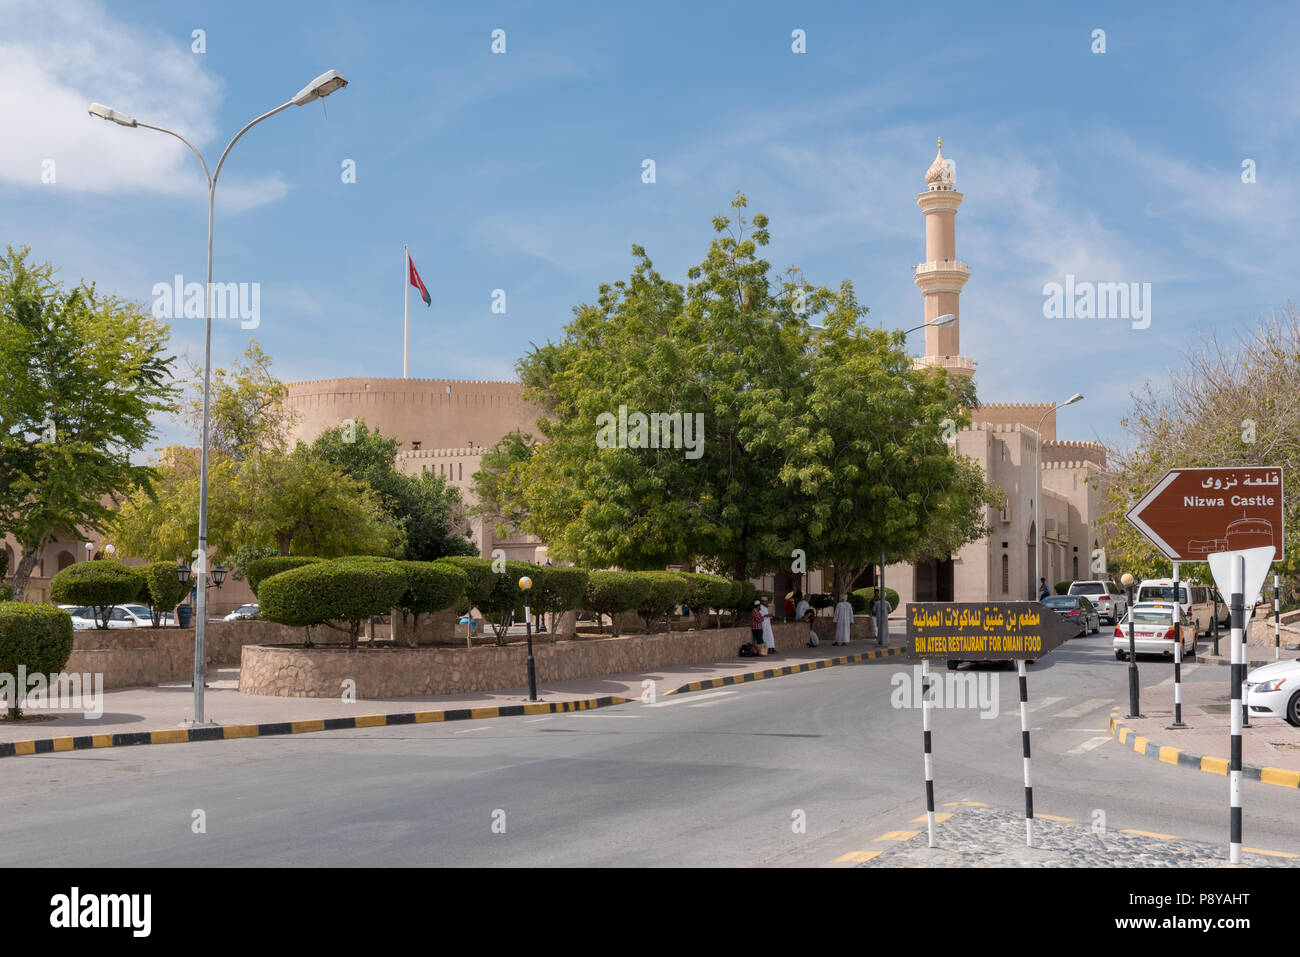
705	592
1063	587
742	599
162	590
261	569
557	589
667	590
340	590
430	587
494	593
100	584
866	594
609	593
37	637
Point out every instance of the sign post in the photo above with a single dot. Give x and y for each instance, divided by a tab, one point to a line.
1016	631
1192	513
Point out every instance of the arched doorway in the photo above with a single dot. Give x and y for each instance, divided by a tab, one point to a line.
64	560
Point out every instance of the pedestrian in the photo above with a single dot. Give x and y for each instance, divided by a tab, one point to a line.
801	606
1043	590
882	620
756	624
789	604
769	639
809	617
843	621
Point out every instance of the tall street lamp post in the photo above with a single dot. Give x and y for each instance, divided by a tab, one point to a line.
322	86
1038	492
526	586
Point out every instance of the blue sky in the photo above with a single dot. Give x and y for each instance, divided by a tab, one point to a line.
522	171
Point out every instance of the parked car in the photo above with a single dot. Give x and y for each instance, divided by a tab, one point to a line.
1197	599
81	617
1078	609
1110	601
141	616
1273	691
1153	631
242	612
117	616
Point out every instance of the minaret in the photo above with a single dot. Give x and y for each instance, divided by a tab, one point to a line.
941	276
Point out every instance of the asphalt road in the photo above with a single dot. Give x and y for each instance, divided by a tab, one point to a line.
718	777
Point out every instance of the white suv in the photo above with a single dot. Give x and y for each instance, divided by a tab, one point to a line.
1110	601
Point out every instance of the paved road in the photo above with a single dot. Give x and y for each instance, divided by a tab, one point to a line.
712	778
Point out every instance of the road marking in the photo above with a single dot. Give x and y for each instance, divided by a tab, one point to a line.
1256	850
688	699
1053	817
1045	703
1163	837
856	857
938	818
471	730
601	714
898	835
535	720
1085	707
1088	745
964	804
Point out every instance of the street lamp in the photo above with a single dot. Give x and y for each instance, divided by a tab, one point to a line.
1038	497
526	584
322	86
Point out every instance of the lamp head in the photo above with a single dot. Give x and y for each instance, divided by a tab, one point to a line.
525	583
183	573
110	114
323	85
1077	397
942	321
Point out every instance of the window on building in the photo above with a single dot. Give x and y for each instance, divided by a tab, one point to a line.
460	471
1076	567
1006	575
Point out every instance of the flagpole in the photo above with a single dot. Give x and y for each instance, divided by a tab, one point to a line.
406	311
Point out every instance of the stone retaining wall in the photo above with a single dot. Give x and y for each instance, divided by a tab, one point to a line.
392	671
131	657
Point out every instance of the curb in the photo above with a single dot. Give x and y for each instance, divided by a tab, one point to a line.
788	670
125	739
1253	663
1211	765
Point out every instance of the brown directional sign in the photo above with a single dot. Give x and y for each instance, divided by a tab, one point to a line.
984	631
1191	513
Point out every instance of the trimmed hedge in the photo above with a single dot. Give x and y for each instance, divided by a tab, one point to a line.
100	584
667	591
609	593
861	599
341	589
162	589
742	597
557	589
1063	587
821	601
496	594
430	587
260	569
705	592
37	637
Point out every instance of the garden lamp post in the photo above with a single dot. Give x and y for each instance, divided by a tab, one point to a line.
526	584
322	86
1134	702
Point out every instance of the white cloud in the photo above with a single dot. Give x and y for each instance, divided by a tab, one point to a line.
56	59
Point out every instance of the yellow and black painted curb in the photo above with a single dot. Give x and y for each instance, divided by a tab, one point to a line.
1145	746
231	731
787	670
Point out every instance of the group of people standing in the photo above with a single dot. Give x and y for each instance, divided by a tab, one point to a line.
798	608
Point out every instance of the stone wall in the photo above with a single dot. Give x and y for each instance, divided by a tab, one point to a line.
392	671
131	657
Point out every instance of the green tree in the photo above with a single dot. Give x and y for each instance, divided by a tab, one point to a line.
247	413
81	375
427	509
498	483
101	585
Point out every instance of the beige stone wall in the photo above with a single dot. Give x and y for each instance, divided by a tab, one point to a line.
437	413
133	657
396	672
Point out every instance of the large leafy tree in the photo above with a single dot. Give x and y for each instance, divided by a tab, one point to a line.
1233	400
498	482
823	439
247	413
426	508
81	374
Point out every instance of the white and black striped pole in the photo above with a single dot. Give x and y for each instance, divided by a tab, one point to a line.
1247	616
1237	615
1277	610
925	733
1024	737
1178	654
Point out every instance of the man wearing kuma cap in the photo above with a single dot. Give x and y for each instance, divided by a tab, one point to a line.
769	639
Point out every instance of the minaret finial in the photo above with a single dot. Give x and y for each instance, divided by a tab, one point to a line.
941	142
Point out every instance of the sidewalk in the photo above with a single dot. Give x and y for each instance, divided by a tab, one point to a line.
1270	747
135	712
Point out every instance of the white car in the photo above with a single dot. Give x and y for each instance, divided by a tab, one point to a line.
1153	631
81	617
242	612
1106	596
1273	691
1197	599
140	615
